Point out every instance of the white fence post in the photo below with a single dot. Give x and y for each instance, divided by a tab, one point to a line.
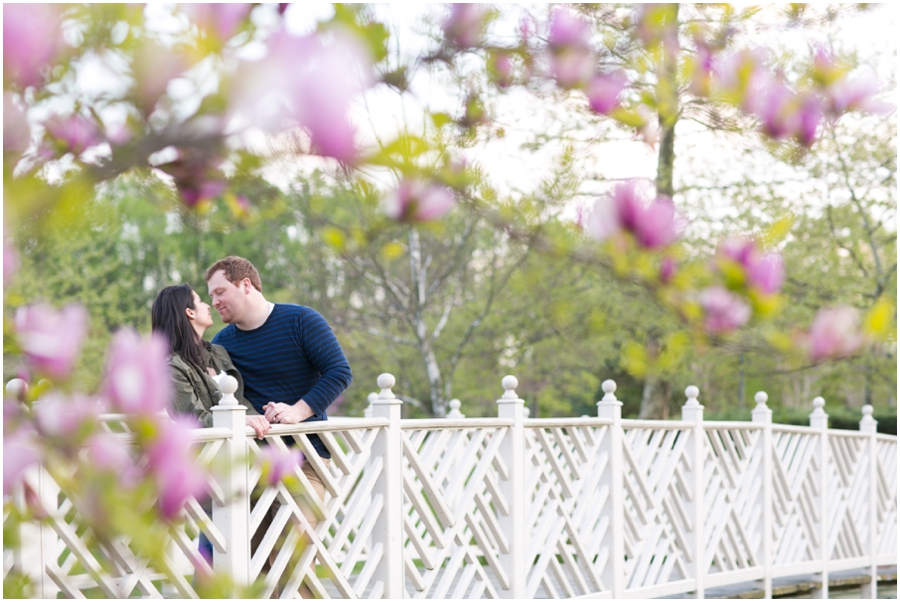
512	452
388	530
869	426
454	412
614	539
819	421
367	413
762	414
233	519
692	411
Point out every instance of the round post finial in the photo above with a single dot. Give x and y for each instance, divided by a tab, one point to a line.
761	398
692	393
868	424
386	382
818	404
818	418
228	385
510	383
609	390
527	411
454	412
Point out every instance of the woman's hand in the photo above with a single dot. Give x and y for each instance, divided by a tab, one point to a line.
259	424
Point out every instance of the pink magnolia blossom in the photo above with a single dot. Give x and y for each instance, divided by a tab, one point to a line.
111	454
464	26
309	81
742	74
775	105
138	379
667	270
51	340
418	201
20	451
603	91
76	132
857	92
153	68
723	310
701	75
59	415
762	271
16	131
500	69
221	20
10	259
653	25
197	177
810	116
31	41
276	464
173	464
653	223
571	59
835	333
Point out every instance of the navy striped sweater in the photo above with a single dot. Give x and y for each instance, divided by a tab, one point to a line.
293	355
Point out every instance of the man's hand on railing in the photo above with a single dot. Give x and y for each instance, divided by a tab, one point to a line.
287	414
259	424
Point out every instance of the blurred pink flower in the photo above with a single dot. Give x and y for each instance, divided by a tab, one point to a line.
276	464
858	92
776	107
20	451
309	81
137	374
500	69
59	415
603	91
16	131
31	41
569	43
197	177
701	74
76	132
154	66
810	116
174	465
724	311
111	454
835	333
742	74
653	223
10	259
51	340
654	24
667	270
464	26
221	20
764	272
418	201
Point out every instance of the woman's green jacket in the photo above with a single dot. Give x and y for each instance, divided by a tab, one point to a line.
196	392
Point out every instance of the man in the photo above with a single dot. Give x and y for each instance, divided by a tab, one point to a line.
292	364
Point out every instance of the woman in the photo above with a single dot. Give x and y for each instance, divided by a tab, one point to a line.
180	315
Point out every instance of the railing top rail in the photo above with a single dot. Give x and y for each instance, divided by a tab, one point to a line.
793	428
886	437
732	425
657	425
451	423
330	425
564	422
848	434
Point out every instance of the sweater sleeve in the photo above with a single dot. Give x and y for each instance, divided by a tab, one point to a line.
186	400
321	346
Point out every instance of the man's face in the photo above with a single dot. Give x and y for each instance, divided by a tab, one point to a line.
230	300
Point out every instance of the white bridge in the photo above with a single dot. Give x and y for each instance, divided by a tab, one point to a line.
511	507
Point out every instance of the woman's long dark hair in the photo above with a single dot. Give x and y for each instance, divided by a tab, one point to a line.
167	317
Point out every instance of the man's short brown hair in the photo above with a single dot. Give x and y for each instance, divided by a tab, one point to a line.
236	269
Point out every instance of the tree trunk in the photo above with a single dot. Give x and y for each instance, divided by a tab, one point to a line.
655	399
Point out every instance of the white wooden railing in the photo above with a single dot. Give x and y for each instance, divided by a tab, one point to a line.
514	507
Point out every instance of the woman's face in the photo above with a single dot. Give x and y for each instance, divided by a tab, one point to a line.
202	315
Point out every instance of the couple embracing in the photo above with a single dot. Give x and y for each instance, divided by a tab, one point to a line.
287	361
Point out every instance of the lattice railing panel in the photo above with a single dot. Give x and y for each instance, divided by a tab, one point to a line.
289	549
848	496
564	470
81	564
887	497
657	531
733	499
795	467
452	503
